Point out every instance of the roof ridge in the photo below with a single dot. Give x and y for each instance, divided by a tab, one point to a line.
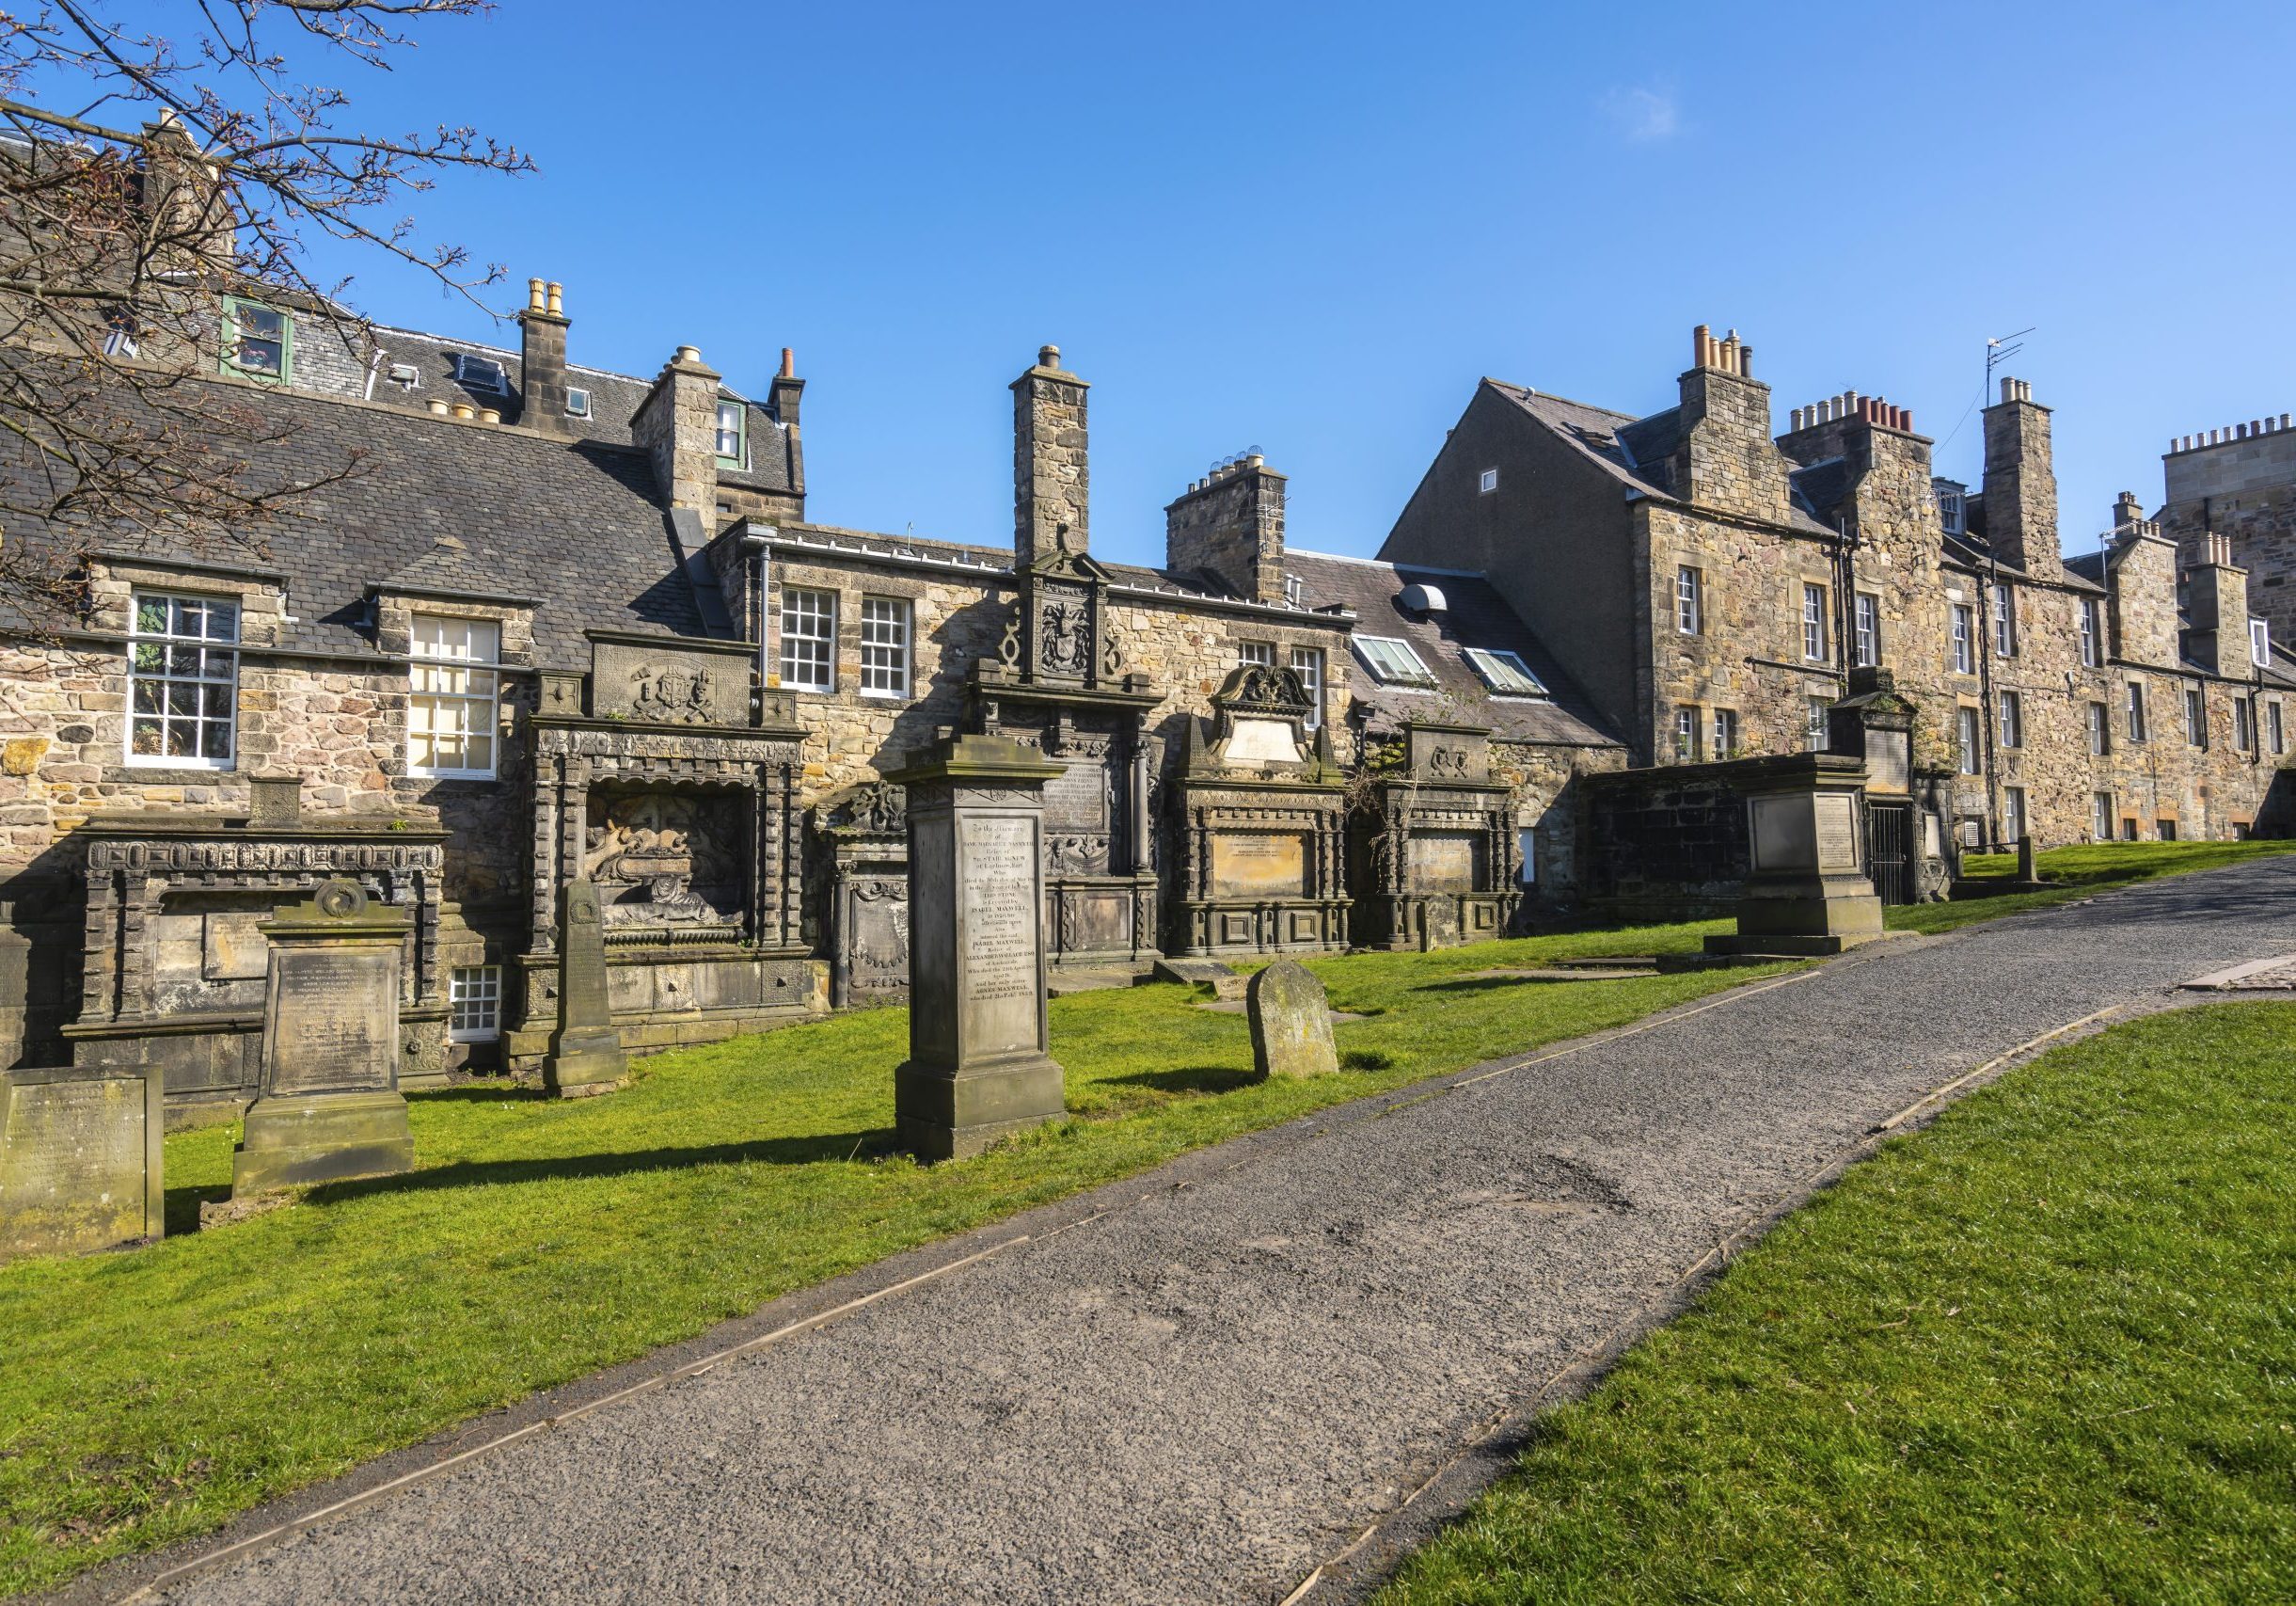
1569	402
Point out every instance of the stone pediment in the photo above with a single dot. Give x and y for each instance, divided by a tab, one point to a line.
676	680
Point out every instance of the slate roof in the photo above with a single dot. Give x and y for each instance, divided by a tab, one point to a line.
1635	452
574	526
1474	616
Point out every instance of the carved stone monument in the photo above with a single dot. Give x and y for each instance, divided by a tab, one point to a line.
862	836
1809	892
330	1104
1434	844
1290	1018
15	983
978	1066
586	1055
79	1158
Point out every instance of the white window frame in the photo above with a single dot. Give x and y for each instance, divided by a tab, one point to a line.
1820	722
195	659
2092	634
235	338
478	990
1504	672
2004	620
1725	733
2261	643
1689	600
1486	482
798	610
2134	708
2101	815
1969	740
2011	733
1308	663
1964	639
1261	653
739	411
577	401
2100	729
1814	622
1367	648
885	637
2243	725
2013	823
2195	716
1685	735
477	699
1865	614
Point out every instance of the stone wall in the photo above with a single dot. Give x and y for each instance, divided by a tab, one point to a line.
1231	524
2242	486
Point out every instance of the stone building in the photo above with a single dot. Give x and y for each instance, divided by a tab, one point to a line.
1712	587
537	622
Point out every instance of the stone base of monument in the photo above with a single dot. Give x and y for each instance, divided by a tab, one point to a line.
1221	979
1808	894
945	1116
294	1140
586	1062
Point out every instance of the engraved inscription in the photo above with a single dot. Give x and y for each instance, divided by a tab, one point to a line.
335	1019
1259	866
1445	863
999	927
1837	833
73	1177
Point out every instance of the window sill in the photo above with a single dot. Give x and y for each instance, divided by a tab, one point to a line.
886	696
159	769
453	776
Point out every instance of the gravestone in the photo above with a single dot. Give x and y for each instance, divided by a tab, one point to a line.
1809	893
15	973
328	1106
1290	1018
1221	979
80	1159
586	1055
977	1067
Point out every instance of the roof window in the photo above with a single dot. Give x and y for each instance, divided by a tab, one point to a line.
578	402
1391	662
481	374
1505	672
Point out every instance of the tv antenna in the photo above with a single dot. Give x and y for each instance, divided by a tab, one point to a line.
2001	350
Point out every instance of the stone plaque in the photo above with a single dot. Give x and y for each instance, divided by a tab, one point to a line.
1836	824
1077	797
1260	740
1445	861
335	1021
1784	834
79	1159
872	940
997	914
669	681
1259	866
1888	760
233	950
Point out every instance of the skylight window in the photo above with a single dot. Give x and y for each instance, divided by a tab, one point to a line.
578	402
1392	661
1505	673
481	374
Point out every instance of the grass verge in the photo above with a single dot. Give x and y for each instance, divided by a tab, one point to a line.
153	1395
2044	1350
2079	871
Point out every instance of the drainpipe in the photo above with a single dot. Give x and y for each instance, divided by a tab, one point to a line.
757	546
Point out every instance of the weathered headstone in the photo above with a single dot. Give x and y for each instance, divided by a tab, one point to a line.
977	1065
1809	893
1221	979
586	1055
1290	1018
79	1158
15	981
329	1105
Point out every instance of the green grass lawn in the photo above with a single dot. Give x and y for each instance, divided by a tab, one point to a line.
2045	1350
2081	872
149	1396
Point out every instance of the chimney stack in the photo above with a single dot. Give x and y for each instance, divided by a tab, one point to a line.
2217	602
542	367
2021	482
1231	524
677	424
1727	459
1051	482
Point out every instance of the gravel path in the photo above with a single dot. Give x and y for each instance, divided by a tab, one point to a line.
1203	1392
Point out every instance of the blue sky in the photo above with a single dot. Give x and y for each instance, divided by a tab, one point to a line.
1311	227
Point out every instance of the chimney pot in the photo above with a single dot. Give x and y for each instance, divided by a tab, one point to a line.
1746	360
556	293
1048	357
1700	341
533	296
690	354
790	363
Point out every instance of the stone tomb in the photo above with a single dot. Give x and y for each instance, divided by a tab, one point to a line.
1261	825
1809	892
1435	855
80	1159
1291	1018
978	1066
860	837
329	1105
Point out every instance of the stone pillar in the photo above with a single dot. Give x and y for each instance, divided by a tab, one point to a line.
978	1066
586	1055
328	1106
1809	892
1051	484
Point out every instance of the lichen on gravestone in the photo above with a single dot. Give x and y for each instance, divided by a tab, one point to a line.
1291	1020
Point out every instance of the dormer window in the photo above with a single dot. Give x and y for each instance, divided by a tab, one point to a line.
732	423
1952	506
1295	592
120	332
481	374
578	402
2261	643
258	340
1505	672
1391	662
